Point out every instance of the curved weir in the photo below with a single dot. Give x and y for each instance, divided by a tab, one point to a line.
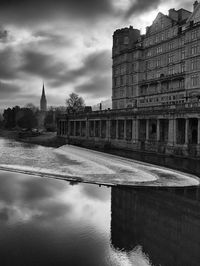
82	165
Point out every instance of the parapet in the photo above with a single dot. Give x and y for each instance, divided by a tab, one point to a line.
125	38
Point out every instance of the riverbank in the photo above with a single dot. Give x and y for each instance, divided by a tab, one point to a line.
47	139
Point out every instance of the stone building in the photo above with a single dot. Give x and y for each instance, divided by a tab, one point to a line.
155	92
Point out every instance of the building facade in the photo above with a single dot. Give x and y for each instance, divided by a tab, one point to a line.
155	92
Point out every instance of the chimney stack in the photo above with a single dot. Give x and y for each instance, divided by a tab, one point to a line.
173	14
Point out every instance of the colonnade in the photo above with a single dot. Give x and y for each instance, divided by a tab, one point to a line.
172	131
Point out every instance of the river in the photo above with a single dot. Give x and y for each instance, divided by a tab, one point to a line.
47	221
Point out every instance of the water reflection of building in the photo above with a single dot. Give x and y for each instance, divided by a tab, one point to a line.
155	92
165	222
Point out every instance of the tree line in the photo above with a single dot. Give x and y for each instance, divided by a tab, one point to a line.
28	117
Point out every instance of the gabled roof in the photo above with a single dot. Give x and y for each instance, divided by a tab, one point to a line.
159	15
195	13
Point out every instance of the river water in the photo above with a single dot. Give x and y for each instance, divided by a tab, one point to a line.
46	221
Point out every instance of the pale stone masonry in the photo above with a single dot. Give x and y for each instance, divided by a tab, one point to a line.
160	67
155	92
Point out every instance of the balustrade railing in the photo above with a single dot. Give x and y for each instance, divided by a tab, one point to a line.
134	110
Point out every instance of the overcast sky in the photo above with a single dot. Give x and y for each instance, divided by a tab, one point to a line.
67	44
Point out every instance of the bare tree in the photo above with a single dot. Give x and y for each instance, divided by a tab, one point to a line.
74	102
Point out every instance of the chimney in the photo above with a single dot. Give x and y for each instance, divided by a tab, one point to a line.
173	14
195	5
147	29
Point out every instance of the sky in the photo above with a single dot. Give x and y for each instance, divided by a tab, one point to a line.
67	45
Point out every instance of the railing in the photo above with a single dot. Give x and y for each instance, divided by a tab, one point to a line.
135	110
162	78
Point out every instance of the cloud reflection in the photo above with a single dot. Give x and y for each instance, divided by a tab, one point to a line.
49	222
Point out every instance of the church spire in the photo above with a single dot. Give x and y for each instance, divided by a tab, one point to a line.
43	100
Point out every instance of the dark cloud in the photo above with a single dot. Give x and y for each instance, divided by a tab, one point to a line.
141	6
27	190
8	64
3	35
97	68
39	189
8	89
4	214
41	64
53	38
98	86
24	11
98	61
96	65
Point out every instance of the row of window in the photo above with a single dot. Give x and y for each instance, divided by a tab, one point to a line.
151	89
119	81
164	87
158	50
170	70
128	92
123	80
133	79
194	64
120	70
192	49
194	81
170	33
162	61
127	57
190	36
120	59
178	98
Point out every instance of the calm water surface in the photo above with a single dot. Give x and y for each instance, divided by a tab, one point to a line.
52	222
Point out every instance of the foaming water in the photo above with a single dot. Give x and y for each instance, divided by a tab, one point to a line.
83	165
